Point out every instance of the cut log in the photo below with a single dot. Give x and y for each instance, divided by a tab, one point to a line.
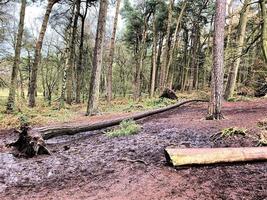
50	132
204	156
169	94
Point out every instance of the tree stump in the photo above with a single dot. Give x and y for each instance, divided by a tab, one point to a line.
29	144
169	94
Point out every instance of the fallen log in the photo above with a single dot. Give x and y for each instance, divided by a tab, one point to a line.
203	156
50	132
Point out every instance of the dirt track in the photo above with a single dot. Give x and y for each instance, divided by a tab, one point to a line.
98	167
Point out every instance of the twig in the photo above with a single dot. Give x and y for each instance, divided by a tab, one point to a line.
132	161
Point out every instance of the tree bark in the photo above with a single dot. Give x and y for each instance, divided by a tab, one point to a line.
37	53
264	29
15	68
174	43
97	59
166	48
231	82
80	66
154	57
111	52
218	62
203	156
71	60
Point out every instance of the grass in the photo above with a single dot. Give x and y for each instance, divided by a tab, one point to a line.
126	127
43	114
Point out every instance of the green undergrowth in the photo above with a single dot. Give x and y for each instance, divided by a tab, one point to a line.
228	132
232	131
126	127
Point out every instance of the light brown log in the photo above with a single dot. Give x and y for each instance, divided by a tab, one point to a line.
50	132
204	156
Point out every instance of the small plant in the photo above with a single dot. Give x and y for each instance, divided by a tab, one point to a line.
263	124
263	139
228	132
24	120
126	127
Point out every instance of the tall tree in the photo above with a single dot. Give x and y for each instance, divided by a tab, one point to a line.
218	62
231	82
97	59
111	52
37	53
166	48
15	68
264	28
71	60
80	66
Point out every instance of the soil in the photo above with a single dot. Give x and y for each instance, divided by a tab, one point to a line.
93	166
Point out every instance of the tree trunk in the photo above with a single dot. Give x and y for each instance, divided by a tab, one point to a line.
166	48
230	87
264	28
71	60
154	57
174	43
137	92
97	59
80	68
218	62
111	52
37	53
196	156
12	89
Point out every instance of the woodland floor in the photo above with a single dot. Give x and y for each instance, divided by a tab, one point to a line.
98	167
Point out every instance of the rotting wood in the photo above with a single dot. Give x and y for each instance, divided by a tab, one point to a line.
50	132
204	156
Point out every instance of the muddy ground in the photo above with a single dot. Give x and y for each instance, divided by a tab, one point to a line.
93	166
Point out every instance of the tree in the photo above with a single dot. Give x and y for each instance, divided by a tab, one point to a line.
111	52
37	53
80	63
218	62
97	59
230	87
166	49
264	28
71	60
12	89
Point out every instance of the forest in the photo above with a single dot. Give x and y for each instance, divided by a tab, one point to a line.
133	99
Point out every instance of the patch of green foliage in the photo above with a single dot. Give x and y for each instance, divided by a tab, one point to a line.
126	127
158	102
240	98
228	132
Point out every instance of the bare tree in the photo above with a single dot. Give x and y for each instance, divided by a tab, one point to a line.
218	62
37	53
12	89
230	87
111	52
97	59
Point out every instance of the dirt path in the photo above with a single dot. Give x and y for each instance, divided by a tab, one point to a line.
98	167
